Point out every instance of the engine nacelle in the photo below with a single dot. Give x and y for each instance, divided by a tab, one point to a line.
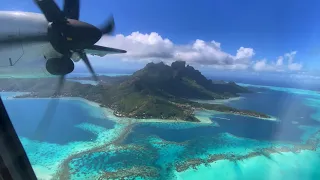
59	66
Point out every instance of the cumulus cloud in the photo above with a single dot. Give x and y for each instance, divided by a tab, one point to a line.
244	54
291	65
153	47
263	66
141	46
295	67
201	52
279	61
290	56
149	47
283	63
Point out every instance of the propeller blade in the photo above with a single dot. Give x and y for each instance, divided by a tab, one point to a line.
71	9
108	26
44	124
24	39
50	10
85	59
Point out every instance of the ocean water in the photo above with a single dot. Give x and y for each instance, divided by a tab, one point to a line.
87	142
297	112
293	110
77	126
62	130
281	166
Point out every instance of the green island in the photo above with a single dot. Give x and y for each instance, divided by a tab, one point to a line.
158	91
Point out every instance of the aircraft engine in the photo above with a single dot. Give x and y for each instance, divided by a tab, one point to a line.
59	66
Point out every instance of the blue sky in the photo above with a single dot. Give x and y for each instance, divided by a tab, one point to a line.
267	31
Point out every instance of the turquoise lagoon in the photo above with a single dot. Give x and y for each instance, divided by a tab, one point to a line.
88	142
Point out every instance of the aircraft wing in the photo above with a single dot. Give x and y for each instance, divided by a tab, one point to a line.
102	51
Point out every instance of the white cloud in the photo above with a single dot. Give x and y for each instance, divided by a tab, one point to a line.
205	53
295	67
263	66
150	47
290	56
153	47
245	54
279	61
140	46
279	65
217	44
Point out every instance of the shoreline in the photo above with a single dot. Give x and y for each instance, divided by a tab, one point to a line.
108	113
217	101
223	101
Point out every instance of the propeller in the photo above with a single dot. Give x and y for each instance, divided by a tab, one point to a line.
45	123
85	59
108	26
67	35
71	9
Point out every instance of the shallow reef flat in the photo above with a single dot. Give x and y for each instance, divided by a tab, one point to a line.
282	165
47	158
179	160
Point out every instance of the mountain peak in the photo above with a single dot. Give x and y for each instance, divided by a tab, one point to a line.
178	65
180	80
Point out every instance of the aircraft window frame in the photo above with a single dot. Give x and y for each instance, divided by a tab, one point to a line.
14	162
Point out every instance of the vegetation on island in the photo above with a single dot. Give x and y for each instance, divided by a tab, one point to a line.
157	91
